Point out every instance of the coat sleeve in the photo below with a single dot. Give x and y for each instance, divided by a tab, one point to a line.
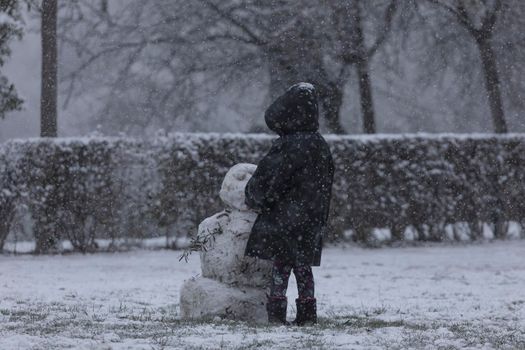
272	179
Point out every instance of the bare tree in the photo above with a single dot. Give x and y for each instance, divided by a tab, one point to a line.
298	42
508	40
206	47
479	19
48	121
165	64
349	30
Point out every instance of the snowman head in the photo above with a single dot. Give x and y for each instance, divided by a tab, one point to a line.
232	189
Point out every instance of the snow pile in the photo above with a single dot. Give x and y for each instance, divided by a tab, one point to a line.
397	298
232	286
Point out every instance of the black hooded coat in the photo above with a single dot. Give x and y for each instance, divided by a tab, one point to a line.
292	185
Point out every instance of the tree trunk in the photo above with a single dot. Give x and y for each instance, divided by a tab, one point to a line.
104	6
5	224
48	102
397	233
501	229
365	91
363	74
492	83
46	240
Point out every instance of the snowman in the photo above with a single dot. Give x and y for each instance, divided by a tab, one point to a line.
231	285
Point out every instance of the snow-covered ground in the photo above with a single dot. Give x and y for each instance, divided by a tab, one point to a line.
440	297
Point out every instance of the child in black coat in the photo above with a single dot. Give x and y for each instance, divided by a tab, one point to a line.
291	189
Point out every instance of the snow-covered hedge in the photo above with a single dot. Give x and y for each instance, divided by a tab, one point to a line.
427	182
79	189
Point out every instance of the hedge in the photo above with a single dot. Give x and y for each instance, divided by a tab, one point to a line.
82	189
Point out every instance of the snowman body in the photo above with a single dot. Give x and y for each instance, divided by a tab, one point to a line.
232	285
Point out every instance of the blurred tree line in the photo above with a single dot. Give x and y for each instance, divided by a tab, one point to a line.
400	65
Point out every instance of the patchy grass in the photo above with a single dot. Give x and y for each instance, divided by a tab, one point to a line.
162	328
407	298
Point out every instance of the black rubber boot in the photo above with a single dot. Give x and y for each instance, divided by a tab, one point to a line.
276	308
306	312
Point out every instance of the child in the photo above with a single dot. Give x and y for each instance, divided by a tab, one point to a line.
291	190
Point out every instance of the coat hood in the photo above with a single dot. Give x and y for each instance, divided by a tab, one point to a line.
294	111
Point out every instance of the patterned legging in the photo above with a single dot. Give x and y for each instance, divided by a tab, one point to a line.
281	274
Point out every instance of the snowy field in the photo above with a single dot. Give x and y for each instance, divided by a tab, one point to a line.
440	297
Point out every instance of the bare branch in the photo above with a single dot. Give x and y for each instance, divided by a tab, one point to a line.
489	22
386	28
460	14
230	18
